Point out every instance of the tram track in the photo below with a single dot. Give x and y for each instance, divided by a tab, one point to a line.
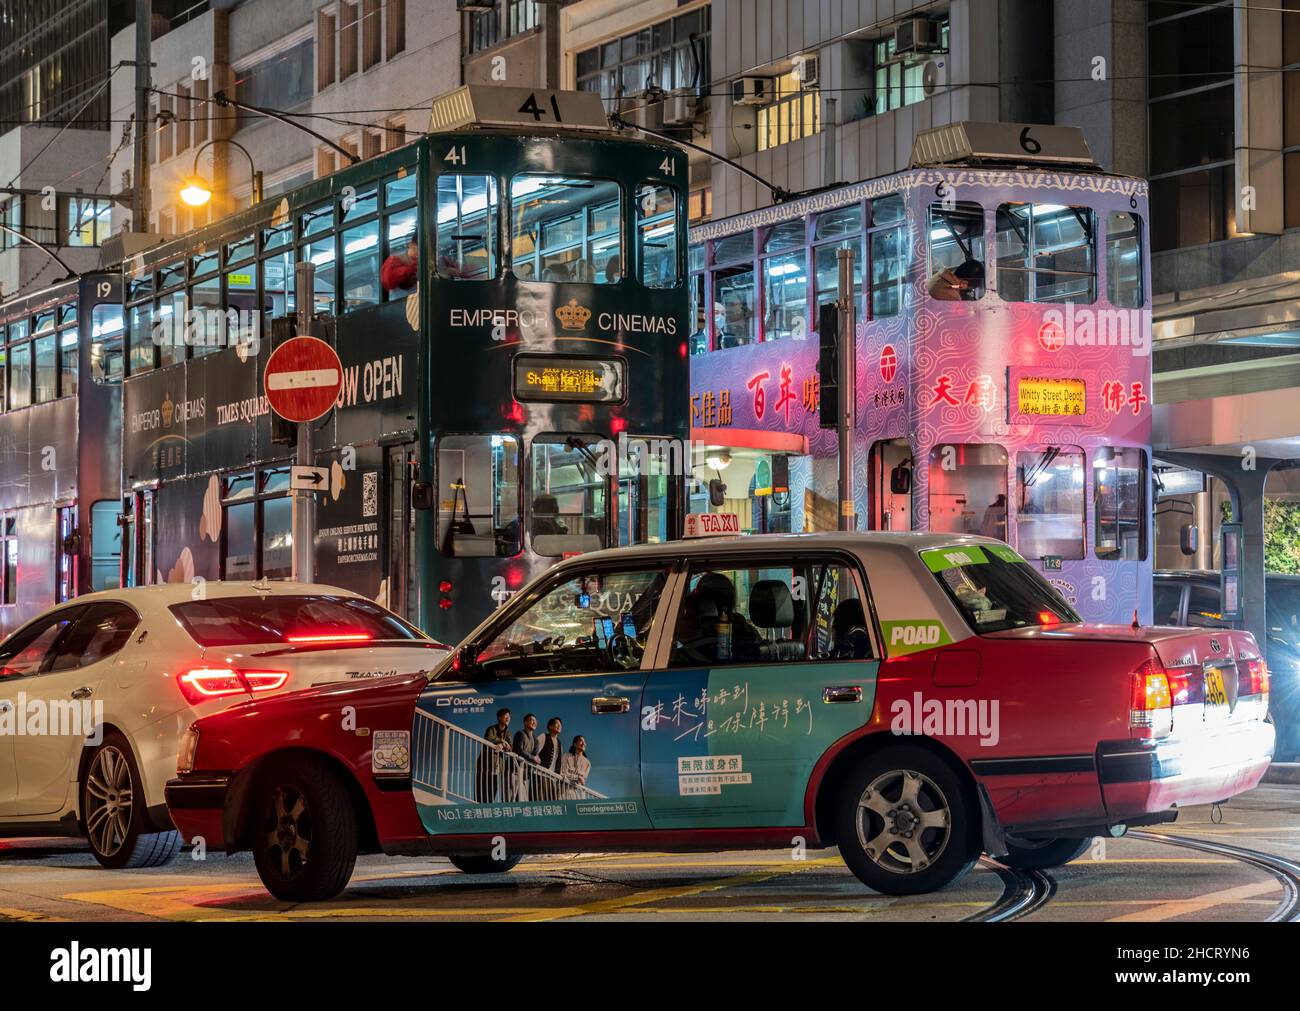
1023	892
1286	871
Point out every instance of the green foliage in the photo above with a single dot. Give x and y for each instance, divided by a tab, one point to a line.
1281	536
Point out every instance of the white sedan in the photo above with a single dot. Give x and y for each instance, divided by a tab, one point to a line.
96	693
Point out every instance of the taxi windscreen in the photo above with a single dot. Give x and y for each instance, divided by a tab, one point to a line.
996	589
293	620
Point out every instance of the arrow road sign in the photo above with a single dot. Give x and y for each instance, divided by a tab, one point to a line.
309	479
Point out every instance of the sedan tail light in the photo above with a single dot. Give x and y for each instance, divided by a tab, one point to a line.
1252	677
1152	704
203	684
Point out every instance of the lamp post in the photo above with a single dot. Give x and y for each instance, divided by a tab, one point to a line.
197	192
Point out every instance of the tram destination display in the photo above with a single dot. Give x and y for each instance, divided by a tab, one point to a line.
1036	395
548	378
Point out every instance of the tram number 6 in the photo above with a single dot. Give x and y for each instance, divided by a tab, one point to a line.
537	112
456	156
1029	143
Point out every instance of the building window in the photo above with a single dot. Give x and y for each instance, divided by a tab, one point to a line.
326	66
1045	253
484	30
89	221
699	205
372	143
521	16
395	28
324	162
371	33
347	41
793	115
1190	89
672	55
282	81
11	214
200	111
899	75
394	133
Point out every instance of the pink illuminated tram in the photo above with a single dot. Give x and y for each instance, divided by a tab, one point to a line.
1003	357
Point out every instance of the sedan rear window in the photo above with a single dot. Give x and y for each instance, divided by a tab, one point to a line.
996	589
319	620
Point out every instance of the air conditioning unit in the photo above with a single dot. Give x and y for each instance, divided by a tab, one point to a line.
752	91
648	115
916	35
806	69
934	76
680	109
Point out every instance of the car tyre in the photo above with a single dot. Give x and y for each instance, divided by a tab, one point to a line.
483	865
114	815
304	831
905	824
1043	853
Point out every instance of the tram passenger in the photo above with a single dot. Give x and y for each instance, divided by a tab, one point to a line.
994	523
546	516
556	272
613	270
963	282
401	271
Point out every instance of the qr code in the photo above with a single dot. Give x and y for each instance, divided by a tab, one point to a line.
370	493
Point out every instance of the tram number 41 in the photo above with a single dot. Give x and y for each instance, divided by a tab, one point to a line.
537	112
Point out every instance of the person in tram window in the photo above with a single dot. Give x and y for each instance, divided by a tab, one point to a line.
952	284
575	767
613	270
401	271
994	523
556	272
546	517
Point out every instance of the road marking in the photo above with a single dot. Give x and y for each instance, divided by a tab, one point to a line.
1198	904
29	916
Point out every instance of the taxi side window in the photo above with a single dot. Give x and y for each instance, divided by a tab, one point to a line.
770	613
588	623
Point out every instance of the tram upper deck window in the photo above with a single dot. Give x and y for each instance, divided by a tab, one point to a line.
566	228
467	227
888	238
107	354
1046	253
1124	260
1049	513
785	282
956	251
733	290
1119	507
478	496
968	489
567	505
657	235
835	230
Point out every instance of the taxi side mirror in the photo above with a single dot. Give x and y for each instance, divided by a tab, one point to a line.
1189	538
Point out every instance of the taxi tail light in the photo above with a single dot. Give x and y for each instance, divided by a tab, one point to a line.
1151	706
1252	677
203	684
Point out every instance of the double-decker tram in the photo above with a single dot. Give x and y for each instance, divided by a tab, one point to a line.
1002	357
61	365
507	298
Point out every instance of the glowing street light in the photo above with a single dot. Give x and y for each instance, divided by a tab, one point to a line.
196	192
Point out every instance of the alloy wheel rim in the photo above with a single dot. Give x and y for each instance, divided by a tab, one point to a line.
109	801
903	821
288	831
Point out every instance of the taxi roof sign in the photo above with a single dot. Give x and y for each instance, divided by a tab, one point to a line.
476	105
712	524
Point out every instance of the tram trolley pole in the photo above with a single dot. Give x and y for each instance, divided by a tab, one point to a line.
847	379
304	502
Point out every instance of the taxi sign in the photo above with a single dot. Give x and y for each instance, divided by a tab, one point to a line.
712	524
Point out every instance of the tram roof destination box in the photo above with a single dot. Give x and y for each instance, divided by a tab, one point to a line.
475	105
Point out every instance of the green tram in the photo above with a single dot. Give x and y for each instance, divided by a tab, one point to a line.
508	389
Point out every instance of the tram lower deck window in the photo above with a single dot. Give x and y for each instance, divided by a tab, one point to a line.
1119	498
478	496
1049	513
968	489
566	228
567	497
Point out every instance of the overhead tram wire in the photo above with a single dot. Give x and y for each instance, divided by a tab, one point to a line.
46	146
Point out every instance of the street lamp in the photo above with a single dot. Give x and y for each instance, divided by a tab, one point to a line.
196	191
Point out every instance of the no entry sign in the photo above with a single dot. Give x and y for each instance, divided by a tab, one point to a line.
302	379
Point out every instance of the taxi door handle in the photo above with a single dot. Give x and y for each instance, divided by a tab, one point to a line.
609	704
82	693
842	693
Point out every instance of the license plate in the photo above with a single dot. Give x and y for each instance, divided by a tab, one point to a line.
1215	694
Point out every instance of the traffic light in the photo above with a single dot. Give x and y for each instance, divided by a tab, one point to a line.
828	365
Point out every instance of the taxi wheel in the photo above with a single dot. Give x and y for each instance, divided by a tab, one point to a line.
483	865
113	816
1043	853
304	832
904	824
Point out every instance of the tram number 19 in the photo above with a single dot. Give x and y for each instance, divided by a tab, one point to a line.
104	289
